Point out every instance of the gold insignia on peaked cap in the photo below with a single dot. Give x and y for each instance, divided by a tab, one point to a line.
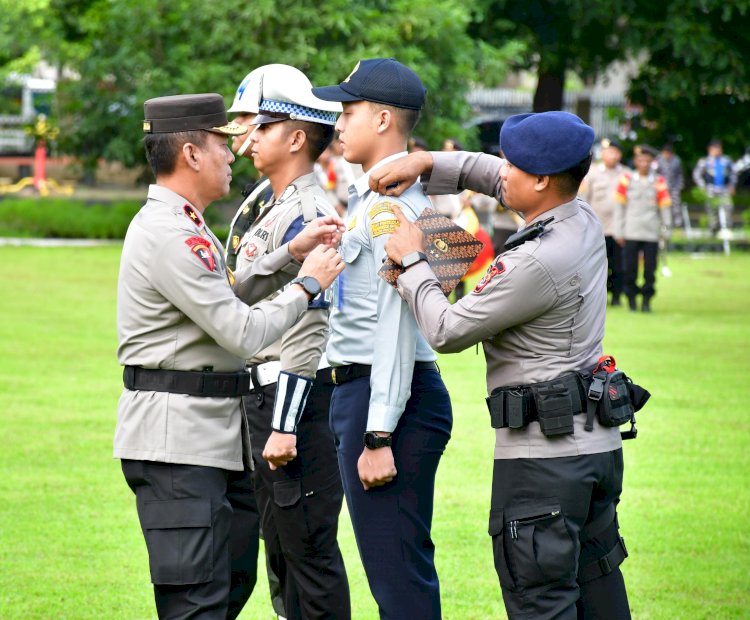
146	127
606	143
349	77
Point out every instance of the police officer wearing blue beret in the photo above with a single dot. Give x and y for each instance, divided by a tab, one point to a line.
539	314
390	412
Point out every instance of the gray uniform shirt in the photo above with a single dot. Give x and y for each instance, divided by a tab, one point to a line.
645	210
598	189
538	312
176	310
301	347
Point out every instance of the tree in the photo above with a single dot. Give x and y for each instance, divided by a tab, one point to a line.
123	53
694	84
559	36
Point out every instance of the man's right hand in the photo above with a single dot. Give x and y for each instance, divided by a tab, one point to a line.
323	264
323	230
395	177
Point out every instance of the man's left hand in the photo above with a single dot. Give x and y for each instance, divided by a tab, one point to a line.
376	467
405	239
280	449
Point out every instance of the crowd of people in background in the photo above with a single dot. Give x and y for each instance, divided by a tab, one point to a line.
638	209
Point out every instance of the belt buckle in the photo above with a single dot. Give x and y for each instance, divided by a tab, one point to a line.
333	376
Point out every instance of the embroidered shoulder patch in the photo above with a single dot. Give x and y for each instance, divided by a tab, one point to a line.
385	227
201	249
381	207
193	215
495	270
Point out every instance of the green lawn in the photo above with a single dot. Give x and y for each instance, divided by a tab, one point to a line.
70	544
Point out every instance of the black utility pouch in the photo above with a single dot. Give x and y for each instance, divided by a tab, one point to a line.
615	406
554	407
509	408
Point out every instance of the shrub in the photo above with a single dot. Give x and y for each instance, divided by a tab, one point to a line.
63	218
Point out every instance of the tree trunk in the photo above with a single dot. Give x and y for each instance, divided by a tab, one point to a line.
549	90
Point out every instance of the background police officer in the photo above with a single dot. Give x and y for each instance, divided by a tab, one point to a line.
183	338
598	189
389	395
300	494
539	312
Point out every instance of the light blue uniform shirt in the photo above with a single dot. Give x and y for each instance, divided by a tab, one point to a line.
370	323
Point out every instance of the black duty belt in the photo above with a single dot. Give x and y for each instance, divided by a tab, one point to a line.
516	406
193	383
337	375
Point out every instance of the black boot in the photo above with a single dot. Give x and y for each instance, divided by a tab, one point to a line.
632	304
646	305
615	301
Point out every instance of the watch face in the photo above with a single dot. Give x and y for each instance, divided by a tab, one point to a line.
311	285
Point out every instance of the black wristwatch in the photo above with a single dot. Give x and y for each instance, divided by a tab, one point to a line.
412	258
310	284
375	441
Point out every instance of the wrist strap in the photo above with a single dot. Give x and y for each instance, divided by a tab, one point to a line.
291	396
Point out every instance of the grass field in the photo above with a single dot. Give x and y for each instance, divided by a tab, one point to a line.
70	544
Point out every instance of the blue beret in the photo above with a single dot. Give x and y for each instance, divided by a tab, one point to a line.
546	142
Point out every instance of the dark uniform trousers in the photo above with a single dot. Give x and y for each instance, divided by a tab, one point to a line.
650	251
300	505
201	529
546	523
392	523
615	268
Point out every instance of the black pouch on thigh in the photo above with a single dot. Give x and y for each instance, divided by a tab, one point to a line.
538	547
179	538
554	406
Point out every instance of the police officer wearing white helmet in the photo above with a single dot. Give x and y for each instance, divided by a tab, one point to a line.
183	339
258	194
298	486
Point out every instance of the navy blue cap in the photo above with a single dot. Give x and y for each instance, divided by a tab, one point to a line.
545	142
382	80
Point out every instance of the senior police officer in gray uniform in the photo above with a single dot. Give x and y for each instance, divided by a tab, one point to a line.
300	494
390	411
539	312
183	339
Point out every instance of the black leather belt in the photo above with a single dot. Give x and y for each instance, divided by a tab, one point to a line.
193	383
336	375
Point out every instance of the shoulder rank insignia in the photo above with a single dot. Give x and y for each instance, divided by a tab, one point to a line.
194	217
352	223
201	249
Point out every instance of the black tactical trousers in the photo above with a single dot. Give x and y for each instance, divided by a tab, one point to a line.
300	505
546	526
633	250
615	267
201	528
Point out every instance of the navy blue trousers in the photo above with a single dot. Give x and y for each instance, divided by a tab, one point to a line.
392	523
